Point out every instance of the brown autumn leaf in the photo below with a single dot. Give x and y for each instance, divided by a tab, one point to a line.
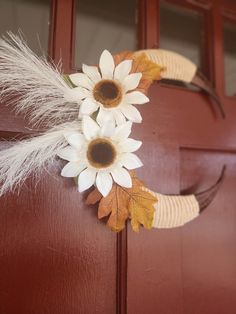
124	55
115	205
141	209
150	70
141	205
121	203
93	197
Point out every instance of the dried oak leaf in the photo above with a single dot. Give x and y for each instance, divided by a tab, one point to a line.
150	70
141	206
135	203
115	205
124	55
93	197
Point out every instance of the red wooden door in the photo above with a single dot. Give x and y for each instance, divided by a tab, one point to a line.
190	269
56	257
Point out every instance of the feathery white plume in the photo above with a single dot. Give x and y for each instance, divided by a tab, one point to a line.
29	156
33	85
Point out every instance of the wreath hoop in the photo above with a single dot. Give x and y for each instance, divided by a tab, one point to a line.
88	119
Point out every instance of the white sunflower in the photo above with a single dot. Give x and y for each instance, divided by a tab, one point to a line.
109	89
100	155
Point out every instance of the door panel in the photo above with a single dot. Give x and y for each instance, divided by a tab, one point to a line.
208	254
56	257
189	269
53	259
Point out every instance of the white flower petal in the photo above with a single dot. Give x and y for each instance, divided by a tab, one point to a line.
81	91
106	65
104	116
130	161
132	81
122	177
75	139
129	145
67	133
108	129
81	79
122	70
88	106
68	153
76	94
123	131
72	169
104	182
136	98
90	127
131	113
86	179
119	117
92	72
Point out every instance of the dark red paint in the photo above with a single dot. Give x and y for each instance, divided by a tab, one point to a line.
56	257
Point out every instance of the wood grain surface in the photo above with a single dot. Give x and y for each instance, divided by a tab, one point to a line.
55	255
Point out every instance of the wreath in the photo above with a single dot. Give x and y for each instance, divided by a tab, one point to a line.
87	119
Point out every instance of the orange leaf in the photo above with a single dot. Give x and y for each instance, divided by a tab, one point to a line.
93	197
141	205
141	209
150	70
124	55
115	205
121	203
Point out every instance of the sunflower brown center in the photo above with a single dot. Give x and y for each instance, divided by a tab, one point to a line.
108	93
101	153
